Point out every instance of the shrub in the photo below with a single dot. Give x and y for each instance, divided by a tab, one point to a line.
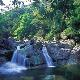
68	33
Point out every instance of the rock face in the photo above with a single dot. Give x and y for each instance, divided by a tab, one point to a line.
33	54
75	54
6	49
7	54
2	60
59	52
63	52
35	59
7	43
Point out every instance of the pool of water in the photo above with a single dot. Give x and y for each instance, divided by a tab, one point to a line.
66	72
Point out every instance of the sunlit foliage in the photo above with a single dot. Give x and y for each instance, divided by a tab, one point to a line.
44	18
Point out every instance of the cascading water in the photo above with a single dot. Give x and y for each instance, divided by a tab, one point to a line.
47	57
19	57
16	65
18	47
18	61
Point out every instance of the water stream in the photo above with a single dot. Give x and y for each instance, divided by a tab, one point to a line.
15	70
17	63
18	57
47	57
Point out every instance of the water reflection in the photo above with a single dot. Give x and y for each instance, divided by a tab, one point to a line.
49	77
69	72
42	77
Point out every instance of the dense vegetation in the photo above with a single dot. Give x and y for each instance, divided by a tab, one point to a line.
44	19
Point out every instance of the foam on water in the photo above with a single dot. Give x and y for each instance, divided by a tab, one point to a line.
47	57
11	68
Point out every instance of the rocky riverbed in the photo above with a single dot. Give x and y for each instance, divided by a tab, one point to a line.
61	52
64	52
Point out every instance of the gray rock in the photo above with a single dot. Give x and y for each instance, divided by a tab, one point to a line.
59	52
76	54
2	60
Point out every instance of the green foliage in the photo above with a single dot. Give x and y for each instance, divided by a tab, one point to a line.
23	26
49	36
69	32
44	18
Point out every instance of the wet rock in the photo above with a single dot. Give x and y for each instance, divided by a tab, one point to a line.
37	59
7	54
2	60
33	55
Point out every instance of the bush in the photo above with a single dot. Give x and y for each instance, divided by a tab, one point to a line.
68	33
49	36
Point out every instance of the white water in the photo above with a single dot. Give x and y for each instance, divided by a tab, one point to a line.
18	47
47	57
18	57
16	65
10	67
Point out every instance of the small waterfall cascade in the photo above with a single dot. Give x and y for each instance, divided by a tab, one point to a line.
17	63
18	47
18	57
47	57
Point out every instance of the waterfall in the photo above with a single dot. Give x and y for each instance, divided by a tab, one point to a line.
18	47
18	57
47	57
17	63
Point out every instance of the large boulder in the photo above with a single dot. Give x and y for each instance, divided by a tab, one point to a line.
59	52
38	58
33	54
76	54
7	43
35	59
